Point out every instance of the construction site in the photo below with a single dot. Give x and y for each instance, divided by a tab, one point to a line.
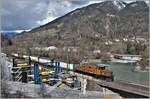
30	76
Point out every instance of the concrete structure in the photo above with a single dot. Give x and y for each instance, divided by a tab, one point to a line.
130	88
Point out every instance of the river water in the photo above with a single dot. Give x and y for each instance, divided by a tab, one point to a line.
124	72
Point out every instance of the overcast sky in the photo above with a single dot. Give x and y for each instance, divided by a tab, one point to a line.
19	15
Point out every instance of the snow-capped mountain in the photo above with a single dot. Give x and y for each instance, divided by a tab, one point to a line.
120	4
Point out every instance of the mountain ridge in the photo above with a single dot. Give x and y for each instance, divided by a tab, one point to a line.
59	18
100	21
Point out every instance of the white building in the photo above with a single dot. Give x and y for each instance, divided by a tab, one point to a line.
96	51
71	48
125	39
46	48
117	40
51	48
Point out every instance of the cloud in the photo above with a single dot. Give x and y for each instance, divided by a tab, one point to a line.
27	14
16	31
22	14
59	8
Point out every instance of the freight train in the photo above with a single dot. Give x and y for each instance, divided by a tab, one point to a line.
95	71
89	69
47	61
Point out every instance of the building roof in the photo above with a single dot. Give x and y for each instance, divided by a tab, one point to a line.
127	55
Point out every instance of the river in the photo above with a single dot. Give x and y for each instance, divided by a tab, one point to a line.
124	72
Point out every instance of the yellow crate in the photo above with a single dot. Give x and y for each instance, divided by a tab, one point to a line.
44	73
44	80
22	65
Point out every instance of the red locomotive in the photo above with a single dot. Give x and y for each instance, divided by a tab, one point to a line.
96	71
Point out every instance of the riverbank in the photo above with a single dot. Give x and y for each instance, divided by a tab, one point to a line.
139	69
